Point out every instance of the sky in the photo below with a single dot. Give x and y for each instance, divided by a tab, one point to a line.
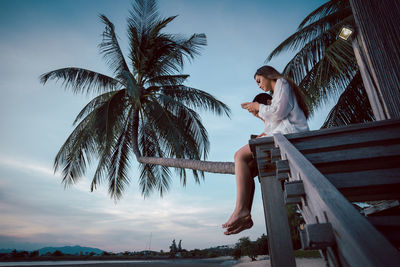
40	36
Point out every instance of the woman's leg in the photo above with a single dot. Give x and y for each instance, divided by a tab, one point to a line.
244	188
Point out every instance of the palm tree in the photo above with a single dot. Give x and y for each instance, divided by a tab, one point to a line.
325	66
143	110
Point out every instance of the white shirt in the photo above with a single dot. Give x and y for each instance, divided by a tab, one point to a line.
284	114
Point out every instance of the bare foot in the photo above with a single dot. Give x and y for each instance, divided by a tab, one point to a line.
246	223
236	218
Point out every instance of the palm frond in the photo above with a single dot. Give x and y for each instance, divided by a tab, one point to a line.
110	48
192	46
143	15
92	105
81	80
133	90
109	116
322	11
159	25
149	139
91	137
166	80
314	51
190	126
166	126
308	56
119	163
171	51
77	151
310	32
109	122
323	67
154	177
323	82
196	98
352	107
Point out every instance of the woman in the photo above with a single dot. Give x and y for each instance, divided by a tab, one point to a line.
287	113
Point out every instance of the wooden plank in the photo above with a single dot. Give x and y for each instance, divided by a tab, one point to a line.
385	221
365	178
365	153
371	193
368	185
381	206
389	226
358	135
354	128
357	165
357	240
392	236
360	138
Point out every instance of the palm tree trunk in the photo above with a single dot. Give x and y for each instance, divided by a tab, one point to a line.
200	165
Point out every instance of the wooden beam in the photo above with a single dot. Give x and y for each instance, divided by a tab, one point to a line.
357	240
378	26
375	99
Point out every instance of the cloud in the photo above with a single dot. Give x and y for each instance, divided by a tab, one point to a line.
37	210
25	166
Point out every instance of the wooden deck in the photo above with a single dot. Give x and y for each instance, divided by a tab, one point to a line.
322	172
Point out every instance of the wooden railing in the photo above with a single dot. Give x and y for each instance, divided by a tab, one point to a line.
323	172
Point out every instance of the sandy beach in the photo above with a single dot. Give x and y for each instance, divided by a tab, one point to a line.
265	262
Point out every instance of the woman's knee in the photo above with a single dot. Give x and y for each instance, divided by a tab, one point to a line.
243	154
237	156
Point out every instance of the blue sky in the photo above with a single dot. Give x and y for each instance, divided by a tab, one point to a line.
39	36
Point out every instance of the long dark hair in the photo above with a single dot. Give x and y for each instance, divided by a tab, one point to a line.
262	98
272	74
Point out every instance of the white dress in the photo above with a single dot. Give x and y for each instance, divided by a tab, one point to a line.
284	114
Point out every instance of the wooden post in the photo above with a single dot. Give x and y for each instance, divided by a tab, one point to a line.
279	239
377	49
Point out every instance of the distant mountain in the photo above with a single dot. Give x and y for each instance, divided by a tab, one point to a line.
6	250
75	250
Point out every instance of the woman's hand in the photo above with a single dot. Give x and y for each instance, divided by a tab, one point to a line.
252	107
261	135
